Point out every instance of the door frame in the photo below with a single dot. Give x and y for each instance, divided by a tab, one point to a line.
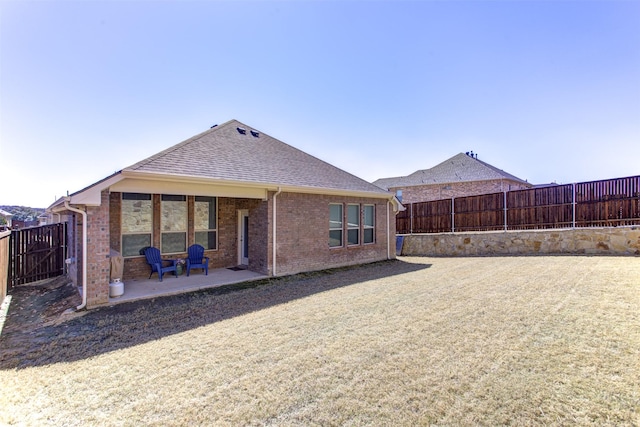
243	259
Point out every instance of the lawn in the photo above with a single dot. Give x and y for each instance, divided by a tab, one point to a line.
417	341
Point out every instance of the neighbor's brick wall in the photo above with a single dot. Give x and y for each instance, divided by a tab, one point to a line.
596	241
98	263
425	193
303	234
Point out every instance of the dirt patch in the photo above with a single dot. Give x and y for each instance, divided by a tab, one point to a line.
35	305
42	328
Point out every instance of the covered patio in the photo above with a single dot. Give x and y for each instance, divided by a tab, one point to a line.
136	289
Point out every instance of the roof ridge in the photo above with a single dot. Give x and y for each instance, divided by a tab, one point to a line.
175	147
447	169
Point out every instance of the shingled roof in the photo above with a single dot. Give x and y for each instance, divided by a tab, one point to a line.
459	168
236	152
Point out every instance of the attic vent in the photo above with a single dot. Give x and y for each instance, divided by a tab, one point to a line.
243	131
255	133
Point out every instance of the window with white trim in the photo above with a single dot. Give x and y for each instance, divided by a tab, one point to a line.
335	225
206	222
173	223
353	225
368	224
136	223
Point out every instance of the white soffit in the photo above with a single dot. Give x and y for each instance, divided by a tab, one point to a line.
134	185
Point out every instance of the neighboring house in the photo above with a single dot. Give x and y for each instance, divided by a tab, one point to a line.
43	219
7	218
248	198
18	224
461	175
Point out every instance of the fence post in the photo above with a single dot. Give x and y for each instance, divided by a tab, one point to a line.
411	218
573	205
453	215
5	236
505	211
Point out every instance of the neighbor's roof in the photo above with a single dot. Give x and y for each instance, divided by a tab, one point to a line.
236	152
459	168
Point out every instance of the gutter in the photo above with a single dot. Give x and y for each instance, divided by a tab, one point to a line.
84	252
275	215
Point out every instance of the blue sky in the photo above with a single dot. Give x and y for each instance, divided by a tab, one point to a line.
546	90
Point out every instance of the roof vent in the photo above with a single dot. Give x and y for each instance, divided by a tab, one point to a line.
243	131
213	126
255	133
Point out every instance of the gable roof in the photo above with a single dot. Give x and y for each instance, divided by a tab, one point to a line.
224	153
459	168
234	154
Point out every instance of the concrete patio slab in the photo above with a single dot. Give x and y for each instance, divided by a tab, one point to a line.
136	289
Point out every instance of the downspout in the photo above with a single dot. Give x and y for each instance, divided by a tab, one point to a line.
273	269
388	229
84	252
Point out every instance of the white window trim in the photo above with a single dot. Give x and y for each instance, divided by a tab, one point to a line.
369	227
196	230
122	234
186	231
358	227
341	245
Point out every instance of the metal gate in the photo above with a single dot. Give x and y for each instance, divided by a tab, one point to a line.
37	253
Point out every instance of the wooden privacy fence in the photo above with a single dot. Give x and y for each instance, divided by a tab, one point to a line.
4	263
37	253
606	203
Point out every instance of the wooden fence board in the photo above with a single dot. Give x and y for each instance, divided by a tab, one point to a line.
605	203
4	263
37	253
534	208
479	213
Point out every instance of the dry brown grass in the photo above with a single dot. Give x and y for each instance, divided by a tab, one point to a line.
421	341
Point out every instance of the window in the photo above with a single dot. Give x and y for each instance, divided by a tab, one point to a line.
205	221
399	195
369	222
173	223
335	225
353	224
136	222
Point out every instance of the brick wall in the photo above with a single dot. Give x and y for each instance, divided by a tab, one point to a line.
74	248
303	234
226	255
98	262
426	193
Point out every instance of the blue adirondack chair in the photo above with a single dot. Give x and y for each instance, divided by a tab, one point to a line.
196	259
157	264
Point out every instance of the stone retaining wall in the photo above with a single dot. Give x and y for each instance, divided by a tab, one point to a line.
597	241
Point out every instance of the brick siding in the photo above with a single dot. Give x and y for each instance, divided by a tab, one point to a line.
98	261
303	234
302	237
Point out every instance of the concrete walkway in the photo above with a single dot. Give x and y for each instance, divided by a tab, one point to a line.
135	289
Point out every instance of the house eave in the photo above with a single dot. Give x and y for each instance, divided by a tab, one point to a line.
145	182
261	186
